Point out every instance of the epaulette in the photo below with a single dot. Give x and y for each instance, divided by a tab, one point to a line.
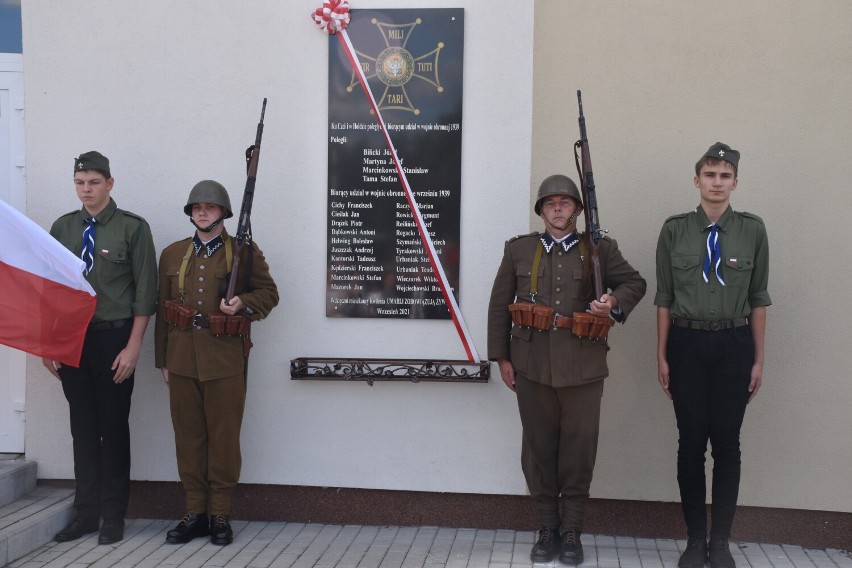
131	214
70	213
678	216
751	216
533	234
582	236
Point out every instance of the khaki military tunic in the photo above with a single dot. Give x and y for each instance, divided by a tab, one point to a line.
556	357
198	353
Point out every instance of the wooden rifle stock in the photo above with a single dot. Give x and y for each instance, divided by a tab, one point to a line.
590	203
243	235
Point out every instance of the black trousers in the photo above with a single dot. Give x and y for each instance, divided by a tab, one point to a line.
709	376
99	411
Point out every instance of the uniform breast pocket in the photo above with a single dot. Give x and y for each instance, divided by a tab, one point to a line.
174	281
738	270
686	269
523	279
116	262
117	255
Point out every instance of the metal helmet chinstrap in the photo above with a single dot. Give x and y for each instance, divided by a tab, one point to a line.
209	191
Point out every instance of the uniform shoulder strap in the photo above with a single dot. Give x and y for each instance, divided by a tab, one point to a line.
539	250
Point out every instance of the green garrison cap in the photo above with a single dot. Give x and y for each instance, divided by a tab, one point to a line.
722	151
92	161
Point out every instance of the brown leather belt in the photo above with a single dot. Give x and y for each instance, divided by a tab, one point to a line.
563	322
715	325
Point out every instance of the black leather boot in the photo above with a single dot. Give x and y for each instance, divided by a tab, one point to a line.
220	530
572	548
720	553
546	546
695	554
189	527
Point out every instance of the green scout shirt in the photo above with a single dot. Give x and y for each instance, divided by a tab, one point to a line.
125	270
681	251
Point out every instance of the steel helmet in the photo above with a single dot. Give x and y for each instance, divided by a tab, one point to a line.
209	191
557	185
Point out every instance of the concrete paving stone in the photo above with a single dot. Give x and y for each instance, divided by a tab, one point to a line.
650	558
753	554
645	543
841	558
776	555
666	544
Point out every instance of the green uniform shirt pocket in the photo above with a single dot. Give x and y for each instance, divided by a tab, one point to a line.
686	269
738	270
117	255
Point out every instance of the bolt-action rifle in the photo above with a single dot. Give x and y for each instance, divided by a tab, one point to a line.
587	325
243	236
594	233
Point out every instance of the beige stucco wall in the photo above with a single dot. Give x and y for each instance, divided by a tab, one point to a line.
170	92
661	82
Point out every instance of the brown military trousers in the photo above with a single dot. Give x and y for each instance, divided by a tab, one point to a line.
207	417
560	443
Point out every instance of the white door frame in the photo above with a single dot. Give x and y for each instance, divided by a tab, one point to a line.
13	190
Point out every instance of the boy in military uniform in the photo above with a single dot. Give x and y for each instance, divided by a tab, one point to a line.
557	375
201	345
712	275
118	250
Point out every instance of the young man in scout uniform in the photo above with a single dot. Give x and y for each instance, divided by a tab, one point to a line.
201	345
712	274
557	375
118	250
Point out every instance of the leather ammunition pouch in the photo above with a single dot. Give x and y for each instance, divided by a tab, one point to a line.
535	316
221	324
178	314
588	326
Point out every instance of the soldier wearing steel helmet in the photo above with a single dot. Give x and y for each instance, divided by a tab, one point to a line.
201	344
556	375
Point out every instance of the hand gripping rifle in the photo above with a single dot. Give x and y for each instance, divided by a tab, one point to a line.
243	236
598	327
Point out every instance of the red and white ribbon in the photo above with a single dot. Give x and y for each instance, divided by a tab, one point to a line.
437	267
333	17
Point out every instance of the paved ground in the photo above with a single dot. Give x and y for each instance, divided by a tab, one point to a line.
298	545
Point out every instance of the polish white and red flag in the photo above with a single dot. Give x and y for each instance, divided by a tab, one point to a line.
45	302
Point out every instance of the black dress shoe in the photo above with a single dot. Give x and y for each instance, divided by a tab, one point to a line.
695	554
112	531
546	545
77	528
720	553
220	530
572	548
189	527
